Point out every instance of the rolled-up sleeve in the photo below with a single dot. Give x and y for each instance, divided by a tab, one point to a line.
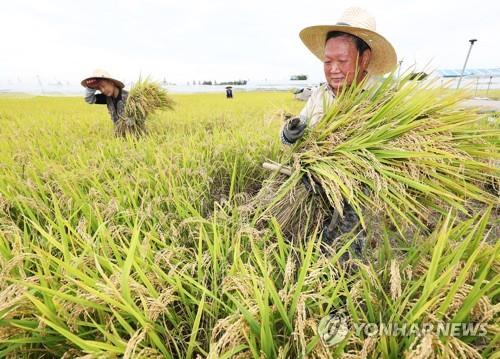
307	111
317	105
92	98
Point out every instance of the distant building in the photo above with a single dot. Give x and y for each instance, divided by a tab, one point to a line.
471	73
473	78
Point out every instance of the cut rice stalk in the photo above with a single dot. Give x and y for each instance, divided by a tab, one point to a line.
398	147
145	98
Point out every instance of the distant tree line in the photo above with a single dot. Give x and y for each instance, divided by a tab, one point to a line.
209	83
298	77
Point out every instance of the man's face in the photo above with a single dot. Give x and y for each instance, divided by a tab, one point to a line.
342	61
106	87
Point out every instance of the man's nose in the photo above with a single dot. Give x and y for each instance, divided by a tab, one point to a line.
334	68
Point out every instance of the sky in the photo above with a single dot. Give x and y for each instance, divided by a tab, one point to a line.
223	40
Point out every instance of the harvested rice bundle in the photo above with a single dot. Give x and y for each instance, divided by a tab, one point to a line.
145	98
398	148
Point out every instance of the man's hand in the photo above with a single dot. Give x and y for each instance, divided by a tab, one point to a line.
92	83
294	129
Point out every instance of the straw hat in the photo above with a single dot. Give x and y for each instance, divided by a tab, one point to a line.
360	23
100	74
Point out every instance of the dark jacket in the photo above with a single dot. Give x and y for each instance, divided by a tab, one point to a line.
116	106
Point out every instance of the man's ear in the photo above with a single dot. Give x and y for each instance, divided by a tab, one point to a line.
365	58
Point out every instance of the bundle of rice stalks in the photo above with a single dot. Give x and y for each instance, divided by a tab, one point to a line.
145	98
399	148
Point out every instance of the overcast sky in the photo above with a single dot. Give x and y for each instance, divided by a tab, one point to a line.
221	40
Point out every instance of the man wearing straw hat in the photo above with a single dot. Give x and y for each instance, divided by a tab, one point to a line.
111	93
351	51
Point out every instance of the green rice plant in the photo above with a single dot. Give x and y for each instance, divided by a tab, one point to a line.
145	98
396	148
105	244
147	248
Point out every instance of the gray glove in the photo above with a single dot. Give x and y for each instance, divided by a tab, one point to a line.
293	129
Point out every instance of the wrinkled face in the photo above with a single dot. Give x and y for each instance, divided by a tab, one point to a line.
106	87
342	63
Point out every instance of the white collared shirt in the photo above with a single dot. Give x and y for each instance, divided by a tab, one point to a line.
322	97
320	100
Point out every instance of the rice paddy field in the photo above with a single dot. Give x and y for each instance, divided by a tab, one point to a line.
146	248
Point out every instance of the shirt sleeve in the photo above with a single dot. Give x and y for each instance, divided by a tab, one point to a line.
308	111
92	98
314	109
305	116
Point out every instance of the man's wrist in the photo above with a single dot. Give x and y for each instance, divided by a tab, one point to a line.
285	139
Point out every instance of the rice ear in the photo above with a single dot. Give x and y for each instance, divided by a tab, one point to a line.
395	280
399	148
145	98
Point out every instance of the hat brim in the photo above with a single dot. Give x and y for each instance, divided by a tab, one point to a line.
115	81
383	59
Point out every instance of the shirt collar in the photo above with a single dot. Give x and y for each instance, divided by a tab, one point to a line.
329	89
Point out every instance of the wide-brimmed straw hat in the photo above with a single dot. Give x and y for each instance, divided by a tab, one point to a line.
100	74
360	23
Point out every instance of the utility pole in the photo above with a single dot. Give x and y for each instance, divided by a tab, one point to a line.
472	41
399	68
489	84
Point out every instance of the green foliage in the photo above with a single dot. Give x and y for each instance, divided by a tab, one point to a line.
397	148
144	248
